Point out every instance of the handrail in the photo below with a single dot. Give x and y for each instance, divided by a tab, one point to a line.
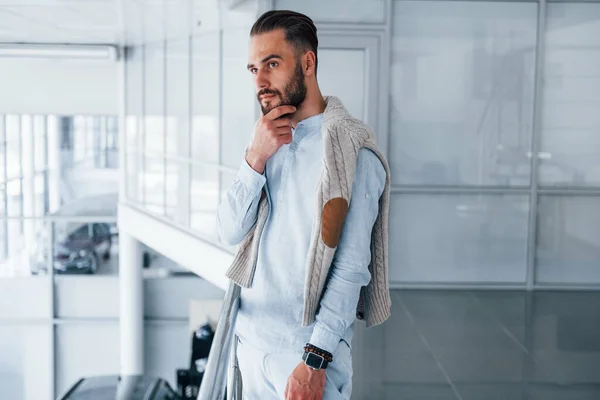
222	353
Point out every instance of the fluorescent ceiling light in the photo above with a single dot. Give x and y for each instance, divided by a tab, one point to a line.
60	51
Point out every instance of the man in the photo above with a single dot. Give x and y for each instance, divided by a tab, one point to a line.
306	250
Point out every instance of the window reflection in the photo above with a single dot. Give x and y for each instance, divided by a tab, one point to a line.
50	164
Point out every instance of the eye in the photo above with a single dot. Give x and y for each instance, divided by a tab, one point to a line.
253	70
273	64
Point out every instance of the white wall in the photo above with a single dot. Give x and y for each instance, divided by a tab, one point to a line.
58	87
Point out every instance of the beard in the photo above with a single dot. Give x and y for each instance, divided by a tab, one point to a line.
294	92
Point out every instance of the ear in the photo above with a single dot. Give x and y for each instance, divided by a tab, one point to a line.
309	63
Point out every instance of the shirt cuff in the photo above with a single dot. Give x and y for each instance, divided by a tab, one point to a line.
324	338
250	178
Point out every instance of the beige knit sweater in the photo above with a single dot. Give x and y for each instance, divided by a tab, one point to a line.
343	136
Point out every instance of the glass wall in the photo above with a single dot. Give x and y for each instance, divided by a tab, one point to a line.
55	170
190	112
492	139
568	230
462	135
58	179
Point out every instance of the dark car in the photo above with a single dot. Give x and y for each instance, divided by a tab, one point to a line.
80	249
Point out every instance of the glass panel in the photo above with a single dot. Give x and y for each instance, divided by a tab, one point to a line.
112	142
38	249
173	187
78	176
204	200
41	194
135	181
568	240
209	20
54	163
90	138
154	185
26	244
336	68
205	97
81	249
26	372
133	130
78	139
13	146
154	95
134	75
101	343
2	150
462	82
3	229
477	238
178	97
40	155
570	138
239	102
178	19
99	148
14	198
357	11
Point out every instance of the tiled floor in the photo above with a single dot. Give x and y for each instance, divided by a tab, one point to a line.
482	345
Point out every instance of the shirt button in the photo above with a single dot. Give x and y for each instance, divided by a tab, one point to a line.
367	196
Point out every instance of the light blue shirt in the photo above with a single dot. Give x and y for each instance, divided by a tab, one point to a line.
270	314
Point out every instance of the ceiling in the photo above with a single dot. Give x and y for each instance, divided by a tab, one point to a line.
61	21
105	21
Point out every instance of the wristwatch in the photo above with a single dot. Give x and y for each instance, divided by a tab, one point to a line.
314	360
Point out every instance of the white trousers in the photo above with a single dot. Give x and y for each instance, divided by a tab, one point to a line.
265	375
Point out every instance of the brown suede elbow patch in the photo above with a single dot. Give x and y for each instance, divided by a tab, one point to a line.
332	221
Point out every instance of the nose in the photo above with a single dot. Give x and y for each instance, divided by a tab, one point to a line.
261	81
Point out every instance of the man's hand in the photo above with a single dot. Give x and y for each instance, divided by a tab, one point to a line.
305	383
271	133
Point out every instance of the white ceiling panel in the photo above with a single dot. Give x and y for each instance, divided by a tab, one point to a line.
117	21
85	21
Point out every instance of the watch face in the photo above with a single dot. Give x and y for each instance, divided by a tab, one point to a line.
314	361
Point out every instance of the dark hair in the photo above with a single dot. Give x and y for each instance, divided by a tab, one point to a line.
300	30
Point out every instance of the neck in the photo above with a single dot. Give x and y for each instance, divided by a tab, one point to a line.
313	104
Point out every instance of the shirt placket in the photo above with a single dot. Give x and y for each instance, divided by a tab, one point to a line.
287	165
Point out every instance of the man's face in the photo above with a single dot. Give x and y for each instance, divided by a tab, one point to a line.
276	70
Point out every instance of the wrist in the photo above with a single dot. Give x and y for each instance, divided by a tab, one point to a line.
255	161
312	371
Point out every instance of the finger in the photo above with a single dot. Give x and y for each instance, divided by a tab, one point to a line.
279	111
284	121
283	131
285	139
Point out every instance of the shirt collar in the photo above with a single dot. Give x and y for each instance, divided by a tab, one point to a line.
311	122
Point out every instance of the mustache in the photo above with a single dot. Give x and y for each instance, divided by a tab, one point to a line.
263	92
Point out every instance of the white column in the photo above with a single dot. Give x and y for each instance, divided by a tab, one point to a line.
131	303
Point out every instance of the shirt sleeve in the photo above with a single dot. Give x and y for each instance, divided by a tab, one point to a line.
237	212
350	265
